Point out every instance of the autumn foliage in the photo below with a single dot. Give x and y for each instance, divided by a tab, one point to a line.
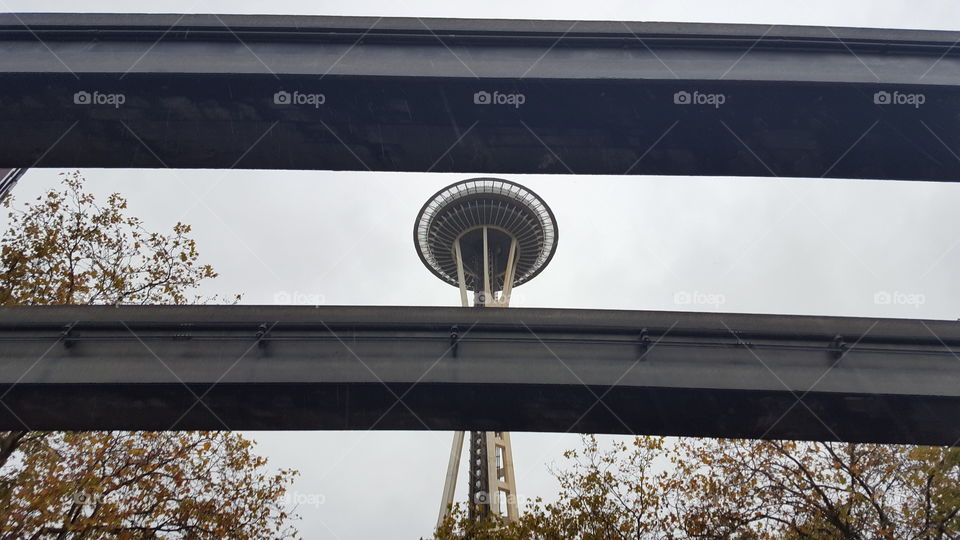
785	489
665	488
66	248
141	485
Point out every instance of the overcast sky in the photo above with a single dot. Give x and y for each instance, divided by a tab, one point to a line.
796	246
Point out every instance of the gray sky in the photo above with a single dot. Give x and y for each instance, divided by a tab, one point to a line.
796	246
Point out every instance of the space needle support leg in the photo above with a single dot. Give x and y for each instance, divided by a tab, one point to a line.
502	479
509	275
461	280
487	295
450	483
456	450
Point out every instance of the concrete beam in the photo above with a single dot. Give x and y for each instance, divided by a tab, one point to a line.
450	95
357	368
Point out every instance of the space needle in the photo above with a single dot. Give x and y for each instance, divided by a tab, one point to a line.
485	236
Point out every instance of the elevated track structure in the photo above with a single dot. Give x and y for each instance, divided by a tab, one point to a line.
517	369
489	96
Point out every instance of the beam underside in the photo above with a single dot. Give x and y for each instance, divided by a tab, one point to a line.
574	409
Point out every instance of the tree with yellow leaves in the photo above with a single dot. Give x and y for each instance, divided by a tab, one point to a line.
665	488
64	248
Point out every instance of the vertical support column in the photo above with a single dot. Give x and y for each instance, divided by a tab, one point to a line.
479	492
503	477
508	277
492	466
487	295
461	279
450	482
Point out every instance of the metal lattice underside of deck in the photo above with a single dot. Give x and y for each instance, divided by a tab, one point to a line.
479	202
